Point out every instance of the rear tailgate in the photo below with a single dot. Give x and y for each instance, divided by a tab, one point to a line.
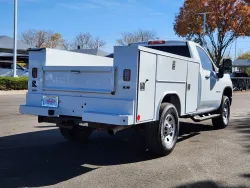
85	79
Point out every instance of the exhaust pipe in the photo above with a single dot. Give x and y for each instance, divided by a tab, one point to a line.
113	130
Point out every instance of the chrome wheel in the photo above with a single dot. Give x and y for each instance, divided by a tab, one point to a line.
168	129
225	113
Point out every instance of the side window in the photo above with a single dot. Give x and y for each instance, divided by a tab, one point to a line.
205	60
17	66
4	65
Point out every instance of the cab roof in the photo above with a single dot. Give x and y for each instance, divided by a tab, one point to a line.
161	43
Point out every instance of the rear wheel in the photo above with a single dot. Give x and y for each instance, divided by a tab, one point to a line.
161	136
69	134
224	111
77	133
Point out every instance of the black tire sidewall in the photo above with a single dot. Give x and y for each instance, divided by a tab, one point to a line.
83	133
77	133
224	101
169	109
69	134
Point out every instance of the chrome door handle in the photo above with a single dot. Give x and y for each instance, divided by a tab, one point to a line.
207	77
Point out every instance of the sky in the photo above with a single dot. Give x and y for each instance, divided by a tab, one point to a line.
106	19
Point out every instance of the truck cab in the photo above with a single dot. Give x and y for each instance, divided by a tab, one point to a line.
148	84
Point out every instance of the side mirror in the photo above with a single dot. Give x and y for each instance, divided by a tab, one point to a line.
225	67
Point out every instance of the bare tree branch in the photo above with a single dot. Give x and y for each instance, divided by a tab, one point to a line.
43	39
86	41
139	36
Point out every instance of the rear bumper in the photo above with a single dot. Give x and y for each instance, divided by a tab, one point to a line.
110	119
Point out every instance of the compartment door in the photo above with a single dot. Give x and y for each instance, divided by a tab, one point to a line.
192	88
146	87
84	79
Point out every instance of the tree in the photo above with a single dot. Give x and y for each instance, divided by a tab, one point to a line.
247	57
138	36
244	56
227	20
43	39
87	41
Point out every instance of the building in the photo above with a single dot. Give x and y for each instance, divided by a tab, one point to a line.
6	50
240	65
6	45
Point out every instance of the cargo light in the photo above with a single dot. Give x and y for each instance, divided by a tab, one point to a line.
157	42
34	72
127	75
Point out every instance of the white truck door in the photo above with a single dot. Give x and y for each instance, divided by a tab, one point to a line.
146	87
192	87
210	98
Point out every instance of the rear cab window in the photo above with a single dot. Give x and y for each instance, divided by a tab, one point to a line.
182	50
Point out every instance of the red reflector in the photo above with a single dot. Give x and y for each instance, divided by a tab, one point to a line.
126	75
157	42
138	118
34	72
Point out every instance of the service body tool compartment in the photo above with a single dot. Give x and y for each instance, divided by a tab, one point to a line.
79	79
146	86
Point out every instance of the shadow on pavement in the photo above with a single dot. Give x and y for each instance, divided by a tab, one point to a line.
242	126
44	158
207	184
189	130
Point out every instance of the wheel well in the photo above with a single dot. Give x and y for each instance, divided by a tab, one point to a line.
173	99
229	93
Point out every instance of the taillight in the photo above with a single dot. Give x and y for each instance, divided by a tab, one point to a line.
34	72
126	75
157	42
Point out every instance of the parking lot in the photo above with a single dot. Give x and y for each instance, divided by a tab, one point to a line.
35	155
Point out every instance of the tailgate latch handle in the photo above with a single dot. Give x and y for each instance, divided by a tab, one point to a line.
76	71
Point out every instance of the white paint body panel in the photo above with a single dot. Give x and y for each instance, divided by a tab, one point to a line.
79	79
192	87
92	87
146	96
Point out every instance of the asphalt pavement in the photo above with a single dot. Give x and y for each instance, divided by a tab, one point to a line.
36	155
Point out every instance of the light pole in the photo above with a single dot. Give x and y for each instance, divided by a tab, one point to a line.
204	23
15	39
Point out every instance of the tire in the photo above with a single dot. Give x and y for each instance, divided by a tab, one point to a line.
77	133
68	134
224	111
83	134
162	135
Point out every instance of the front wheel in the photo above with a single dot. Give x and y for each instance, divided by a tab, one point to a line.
161	136
224	111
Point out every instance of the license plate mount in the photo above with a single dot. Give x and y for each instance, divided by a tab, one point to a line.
50	101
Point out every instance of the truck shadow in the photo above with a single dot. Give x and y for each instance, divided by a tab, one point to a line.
207	184
44	158
189	130
242	127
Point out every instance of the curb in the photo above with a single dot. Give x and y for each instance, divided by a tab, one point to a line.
13	92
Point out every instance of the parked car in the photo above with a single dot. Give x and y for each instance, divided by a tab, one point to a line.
6	69
148	86
238	75
240	81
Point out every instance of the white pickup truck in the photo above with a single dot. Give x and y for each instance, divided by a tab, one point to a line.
148	85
